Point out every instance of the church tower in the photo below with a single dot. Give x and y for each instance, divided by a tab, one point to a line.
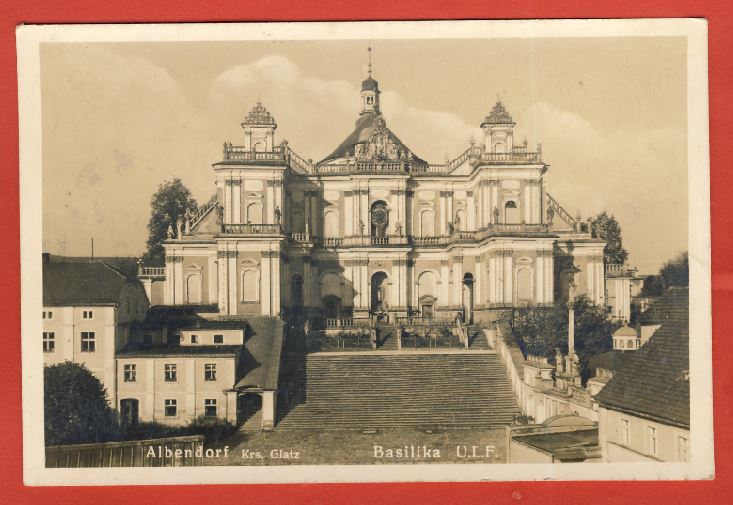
259	130
370	92
498	129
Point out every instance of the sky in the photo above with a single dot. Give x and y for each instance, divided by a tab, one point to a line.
120	118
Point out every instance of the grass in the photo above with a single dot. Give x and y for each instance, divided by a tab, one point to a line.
313	447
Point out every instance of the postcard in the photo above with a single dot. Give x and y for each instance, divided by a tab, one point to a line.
365	252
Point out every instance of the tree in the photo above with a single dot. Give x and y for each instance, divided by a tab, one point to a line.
171	203
676	272
609	230
540	330
76	408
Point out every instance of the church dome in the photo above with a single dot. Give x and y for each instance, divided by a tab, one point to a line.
370	84
625	331
371	139
498	115
259	115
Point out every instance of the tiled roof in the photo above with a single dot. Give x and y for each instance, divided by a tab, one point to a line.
611	360
653	382
660	310
82	283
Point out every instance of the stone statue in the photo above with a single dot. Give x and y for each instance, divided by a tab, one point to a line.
398	228
307	226
590	227
170	232
179	224
188	225
278	215
559	362
571	293
576	226
361	226
574	365
496	214
219	214
550	214
450	228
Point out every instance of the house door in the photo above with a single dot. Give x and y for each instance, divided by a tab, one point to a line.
129	411
427	310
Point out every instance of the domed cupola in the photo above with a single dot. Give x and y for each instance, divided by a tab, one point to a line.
259	129
370	92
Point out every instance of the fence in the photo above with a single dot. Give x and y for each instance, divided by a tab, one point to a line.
174	451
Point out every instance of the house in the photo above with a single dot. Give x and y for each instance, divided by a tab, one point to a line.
88	311
644	410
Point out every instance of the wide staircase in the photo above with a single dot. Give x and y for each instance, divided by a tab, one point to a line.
372	390
386	337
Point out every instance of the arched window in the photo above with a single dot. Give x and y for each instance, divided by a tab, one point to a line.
427	285
511	212
379	219
254	213
427	223
251	285
331	224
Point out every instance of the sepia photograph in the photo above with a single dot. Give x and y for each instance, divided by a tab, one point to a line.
345	252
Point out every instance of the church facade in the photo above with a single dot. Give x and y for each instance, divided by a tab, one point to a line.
373	228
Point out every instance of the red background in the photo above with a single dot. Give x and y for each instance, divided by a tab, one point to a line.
716	491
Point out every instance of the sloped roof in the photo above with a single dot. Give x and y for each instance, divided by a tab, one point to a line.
611	360
665	306
259	365
653	381
363	130
77	283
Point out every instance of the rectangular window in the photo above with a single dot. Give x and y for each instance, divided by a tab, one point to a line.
171	408
49	341
683	449
88	341
47	314
652	440
210	407
130	373
625	432
218	339
194	339
171	373
210	372
87	314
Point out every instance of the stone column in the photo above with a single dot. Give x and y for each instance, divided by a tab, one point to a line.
457	280
237	201
269	216
492	281
315	214
478	281
395	214
471	212
265	284
527	203
443	215
402	208
170	281
212	279
495	201
233	278
444	290
348	214
508	278
549	277
278	189
275	265
223	267
539	277
178	274
307	282
451	216
308	223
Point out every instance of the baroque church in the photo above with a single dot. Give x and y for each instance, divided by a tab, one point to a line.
375	229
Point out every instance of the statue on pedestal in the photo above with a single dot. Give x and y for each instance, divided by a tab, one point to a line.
550	215
169	233
559	362
277	215
496	214
179	224
188	225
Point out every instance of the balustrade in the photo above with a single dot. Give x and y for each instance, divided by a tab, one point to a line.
253	229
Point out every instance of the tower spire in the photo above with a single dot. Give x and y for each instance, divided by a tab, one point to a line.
369	50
